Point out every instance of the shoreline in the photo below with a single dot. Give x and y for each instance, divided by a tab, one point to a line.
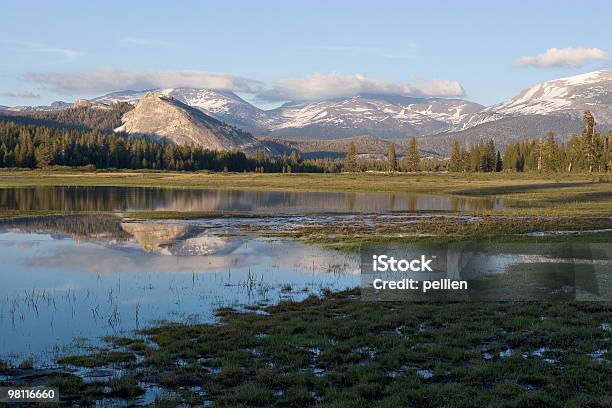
523	193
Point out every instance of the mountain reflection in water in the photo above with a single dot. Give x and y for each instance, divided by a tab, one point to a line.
88	276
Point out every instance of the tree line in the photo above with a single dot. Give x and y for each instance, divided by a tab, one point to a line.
34	146
585	152
75	117
30	145
410	162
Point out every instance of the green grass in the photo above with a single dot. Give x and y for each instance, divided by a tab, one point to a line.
340	351
74	390
125	386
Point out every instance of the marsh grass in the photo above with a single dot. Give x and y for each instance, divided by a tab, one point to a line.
337	350
99	359
349	235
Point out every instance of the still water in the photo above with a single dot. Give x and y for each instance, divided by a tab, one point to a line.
85	277
62	198
66	281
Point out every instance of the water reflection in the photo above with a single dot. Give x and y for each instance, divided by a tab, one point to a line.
67	198
88	276
83	276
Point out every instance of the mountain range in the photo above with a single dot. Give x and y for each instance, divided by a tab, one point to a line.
555	105
386	116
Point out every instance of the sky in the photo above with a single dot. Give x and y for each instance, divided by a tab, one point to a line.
275	51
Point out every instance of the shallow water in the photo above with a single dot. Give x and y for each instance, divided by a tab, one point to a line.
58	286
66	198
67	281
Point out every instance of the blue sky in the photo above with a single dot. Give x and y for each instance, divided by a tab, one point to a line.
271	51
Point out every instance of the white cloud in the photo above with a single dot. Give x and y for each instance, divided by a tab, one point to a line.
44	48
440	87
324	86
64	52
21	94
312	87
564	58
106	80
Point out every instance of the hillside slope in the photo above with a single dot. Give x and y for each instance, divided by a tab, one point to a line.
167	118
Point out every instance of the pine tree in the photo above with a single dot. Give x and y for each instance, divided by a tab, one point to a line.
261	157
608	151
392	159
475	156
350	162
44	154
456	158
574	156
491	156
294	158
499	164
588	141
550	153
412	158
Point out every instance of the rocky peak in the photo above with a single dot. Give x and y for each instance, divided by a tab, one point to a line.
165	117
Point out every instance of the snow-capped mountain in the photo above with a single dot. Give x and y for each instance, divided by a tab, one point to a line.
555	105
381	115
389	116
128	96
225	106
222	105
560	97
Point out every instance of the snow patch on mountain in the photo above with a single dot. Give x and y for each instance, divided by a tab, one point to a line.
571	95
390	116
